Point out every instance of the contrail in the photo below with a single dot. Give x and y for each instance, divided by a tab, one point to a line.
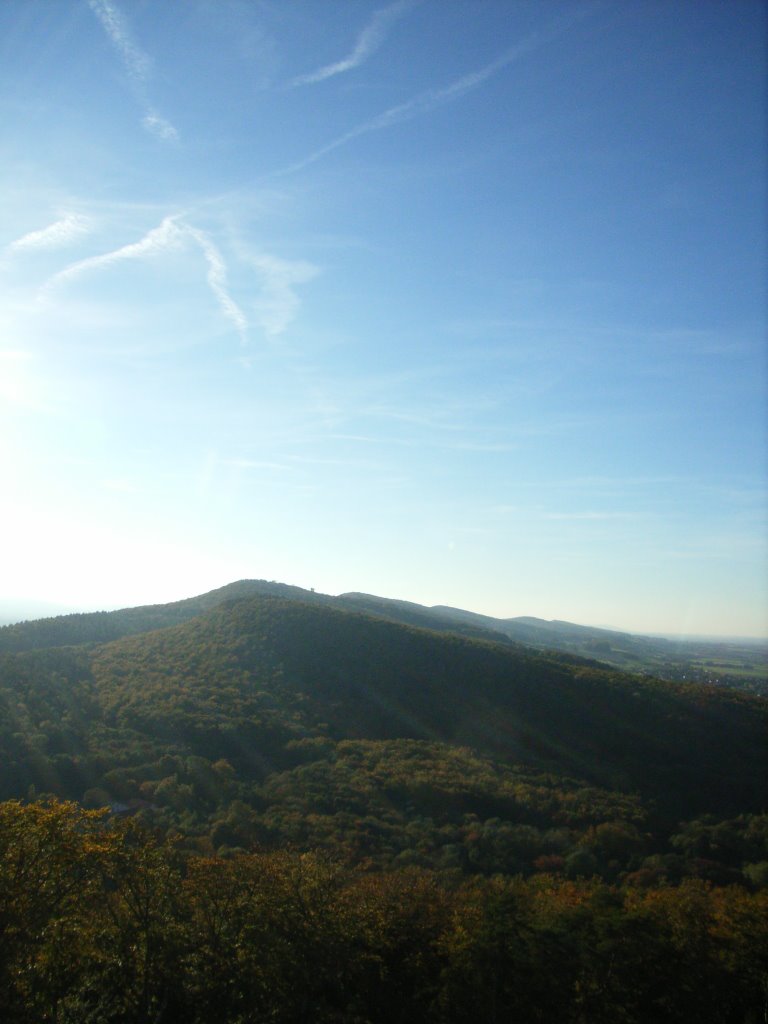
369	40
217	281
136	61
162	237
430	99
167	235
137	64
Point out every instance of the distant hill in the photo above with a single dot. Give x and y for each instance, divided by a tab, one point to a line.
100	627
725	662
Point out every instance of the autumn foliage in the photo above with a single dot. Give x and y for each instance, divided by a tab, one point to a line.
102	922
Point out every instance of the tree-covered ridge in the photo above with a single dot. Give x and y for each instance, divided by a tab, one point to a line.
743	665
101	627
272	722
354	676
101	922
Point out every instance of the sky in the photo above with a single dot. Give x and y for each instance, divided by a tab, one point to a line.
455	301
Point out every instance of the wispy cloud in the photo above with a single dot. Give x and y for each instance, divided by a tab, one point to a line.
56	236
169	234
279	302
160	127
135	61
217	281
369	40
431	99
165	236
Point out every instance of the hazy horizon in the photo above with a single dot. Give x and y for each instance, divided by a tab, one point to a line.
456	303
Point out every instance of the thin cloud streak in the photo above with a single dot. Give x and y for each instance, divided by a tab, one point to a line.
136	62
217	281
57	235
431	99
168	235
369	40
165	236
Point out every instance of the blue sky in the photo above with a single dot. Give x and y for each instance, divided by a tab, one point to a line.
461	302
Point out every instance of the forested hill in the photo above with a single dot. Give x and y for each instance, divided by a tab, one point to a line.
352	676
100	627
264	683
741	664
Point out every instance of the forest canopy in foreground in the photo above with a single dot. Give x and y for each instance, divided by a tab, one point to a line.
102	922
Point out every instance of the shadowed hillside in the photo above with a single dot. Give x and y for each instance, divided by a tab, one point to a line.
249	678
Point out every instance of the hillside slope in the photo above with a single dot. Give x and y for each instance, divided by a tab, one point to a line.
246	678
371	679
273	721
